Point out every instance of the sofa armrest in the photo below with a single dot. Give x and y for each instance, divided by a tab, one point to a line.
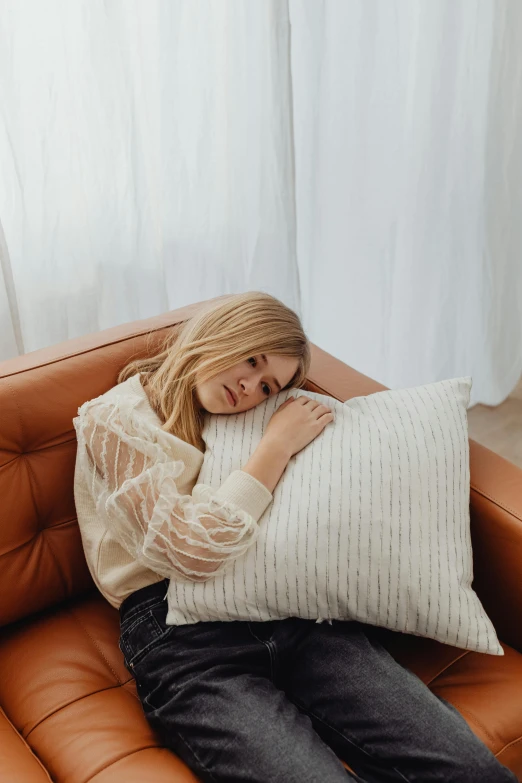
496	533
495	506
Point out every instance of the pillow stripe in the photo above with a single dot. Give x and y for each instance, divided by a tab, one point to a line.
454	527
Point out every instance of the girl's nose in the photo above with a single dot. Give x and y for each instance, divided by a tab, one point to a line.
247	385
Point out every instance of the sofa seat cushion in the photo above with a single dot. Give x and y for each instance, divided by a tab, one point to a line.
66	691
17	761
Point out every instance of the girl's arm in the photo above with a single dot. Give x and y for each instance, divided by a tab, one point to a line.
268	462
133	479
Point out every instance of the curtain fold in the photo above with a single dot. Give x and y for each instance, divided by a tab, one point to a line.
146	158
11	340
359	159
407	121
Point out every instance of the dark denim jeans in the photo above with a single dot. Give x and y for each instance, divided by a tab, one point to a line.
279	701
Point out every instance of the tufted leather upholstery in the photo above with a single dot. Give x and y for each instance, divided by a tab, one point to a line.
69	709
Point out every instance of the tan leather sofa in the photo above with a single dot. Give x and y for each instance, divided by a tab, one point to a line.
69	710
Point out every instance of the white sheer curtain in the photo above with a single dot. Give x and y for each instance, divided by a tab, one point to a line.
145	159
360	159
408	139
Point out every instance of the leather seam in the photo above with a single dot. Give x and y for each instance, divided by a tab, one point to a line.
26	745
475	720
497	502
58	568
116	761
40	532
448	666
35	451
17	455
95	645
74	701
32	484
107	344
509	745
132	691
20	417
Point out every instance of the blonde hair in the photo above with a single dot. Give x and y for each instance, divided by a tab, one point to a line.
226	333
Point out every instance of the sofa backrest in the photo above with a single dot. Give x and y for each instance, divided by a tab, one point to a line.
41	554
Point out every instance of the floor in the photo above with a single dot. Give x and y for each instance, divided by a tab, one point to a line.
500	427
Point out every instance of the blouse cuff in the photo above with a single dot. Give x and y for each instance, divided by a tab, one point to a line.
246	492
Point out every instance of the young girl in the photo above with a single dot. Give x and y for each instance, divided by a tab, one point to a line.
241	701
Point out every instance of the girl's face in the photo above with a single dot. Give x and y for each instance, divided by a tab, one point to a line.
246	384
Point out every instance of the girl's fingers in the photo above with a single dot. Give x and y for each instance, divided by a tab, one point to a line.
321	410
325	418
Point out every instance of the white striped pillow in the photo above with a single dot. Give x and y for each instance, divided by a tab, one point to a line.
369	522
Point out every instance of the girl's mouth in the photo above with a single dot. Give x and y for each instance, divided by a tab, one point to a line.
230	397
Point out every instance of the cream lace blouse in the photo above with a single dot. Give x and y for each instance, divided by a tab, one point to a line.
141	514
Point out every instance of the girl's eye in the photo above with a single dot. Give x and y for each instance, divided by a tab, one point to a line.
266	388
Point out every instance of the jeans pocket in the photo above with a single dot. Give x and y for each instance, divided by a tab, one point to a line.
139	636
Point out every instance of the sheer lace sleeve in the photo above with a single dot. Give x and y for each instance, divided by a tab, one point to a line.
132	480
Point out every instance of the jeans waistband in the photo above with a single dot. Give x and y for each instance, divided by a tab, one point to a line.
155	590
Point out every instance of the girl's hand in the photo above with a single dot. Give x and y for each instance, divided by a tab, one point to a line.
296	423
